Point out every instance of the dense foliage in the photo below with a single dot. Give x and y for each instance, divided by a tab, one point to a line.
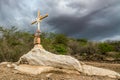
15	43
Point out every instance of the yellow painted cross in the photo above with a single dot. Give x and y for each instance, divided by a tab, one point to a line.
39	19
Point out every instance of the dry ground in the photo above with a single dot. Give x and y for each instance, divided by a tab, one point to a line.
11	74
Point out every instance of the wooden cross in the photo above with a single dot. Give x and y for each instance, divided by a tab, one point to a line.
39	19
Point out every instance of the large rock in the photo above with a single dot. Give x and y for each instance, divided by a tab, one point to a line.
91	70
40	57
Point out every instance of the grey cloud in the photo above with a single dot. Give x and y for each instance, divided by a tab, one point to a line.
82	27
95	19
15	13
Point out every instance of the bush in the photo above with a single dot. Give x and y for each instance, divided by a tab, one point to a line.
60	48
14	44
74	47
61	39
91	48
104	47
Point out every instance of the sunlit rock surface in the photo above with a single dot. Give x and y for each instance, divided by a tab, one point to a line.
38	56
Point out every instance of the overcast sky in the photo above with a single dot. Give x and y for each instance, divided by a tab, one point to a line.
91	19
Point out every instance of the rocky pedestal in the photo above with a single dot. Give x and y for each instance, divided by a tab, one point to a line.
38	56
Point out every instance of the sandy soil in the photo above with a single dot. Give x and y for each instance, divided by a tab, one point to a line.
11	74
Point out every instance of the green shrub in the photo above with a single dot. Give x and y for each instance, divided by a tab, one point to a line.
61	39
104	47
60	48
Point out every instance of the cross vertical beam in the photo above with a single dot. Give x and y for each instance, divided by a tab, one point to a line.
37	33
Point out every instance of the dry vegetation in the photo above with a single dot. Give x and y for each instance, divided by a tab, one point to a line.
14	43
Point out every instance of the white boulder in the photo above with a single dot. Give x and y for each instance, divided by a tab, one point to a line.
40	57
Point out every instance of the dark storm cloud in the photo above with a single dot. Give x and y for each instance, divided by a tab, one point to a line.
101	21
92	19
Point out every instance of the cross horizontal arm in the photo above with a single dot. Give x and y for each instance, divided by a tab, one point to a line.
42	17
33	22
